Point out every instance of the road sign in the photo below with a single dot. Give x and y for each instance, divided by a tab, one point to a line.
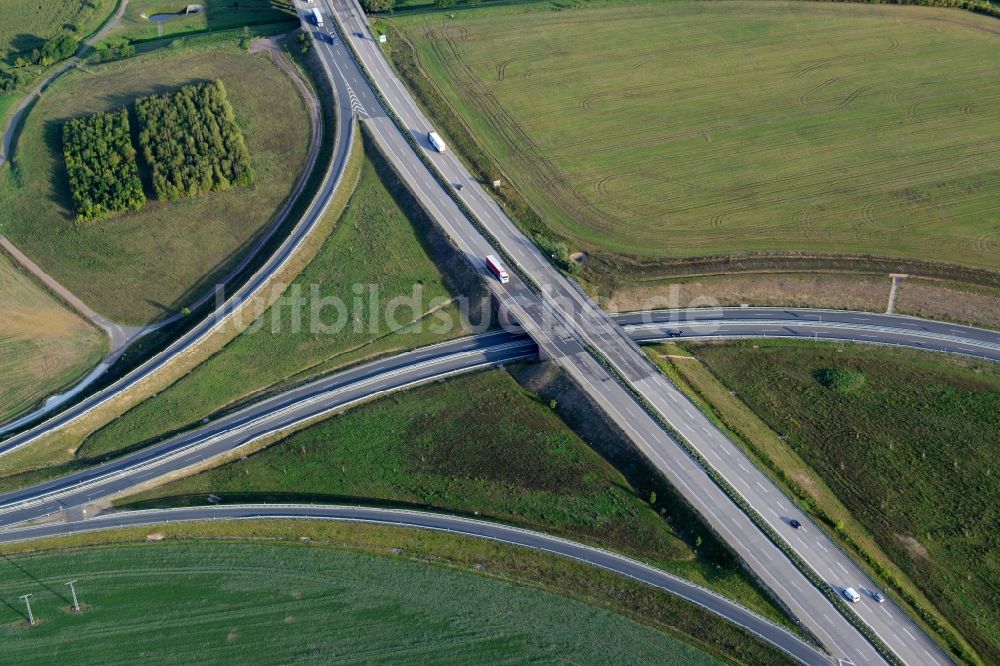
381	39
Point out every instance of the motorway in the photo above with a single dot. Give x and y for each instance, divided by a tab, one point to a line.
274	414
366	381
620	564
565	324
575	334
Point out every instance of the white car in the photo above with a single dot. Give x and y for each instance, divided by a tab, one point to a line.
851	595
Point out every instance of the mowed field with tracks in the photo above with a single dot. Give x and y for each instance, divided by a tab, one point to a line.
690	128
44	346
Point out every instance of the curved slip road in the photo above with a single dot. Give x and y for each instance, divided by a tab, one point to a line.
863	327
365	381
122	337
343	140
275	414
597	557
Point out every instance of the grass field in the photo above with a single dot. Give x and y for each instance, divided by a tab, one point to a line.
139	267
689	128
434	447
907	442
26	25
177	603
218	15
44	346
374	243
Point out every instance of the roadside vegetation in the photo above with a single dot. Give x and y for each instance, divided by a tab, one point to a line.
434	447
265	16
816	155
191	141
100	163
44	346
467	600
894	450
144	265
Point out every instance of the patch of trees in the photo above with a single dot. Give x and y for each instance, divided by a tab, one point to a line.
191	141
11	81
109	52
100	160
53	50
378	5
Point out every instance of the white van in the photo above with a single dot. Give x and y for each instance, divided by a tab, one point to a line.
851	595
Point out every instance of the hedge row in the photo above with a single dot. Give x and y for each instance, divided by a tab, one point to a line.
191	141
100	161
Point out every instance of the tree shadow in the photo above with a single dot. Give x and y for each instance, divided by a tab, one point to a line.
58	177
24	43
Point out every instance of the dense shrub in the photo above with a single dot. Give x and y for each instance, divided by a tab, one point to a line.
191	141
11	81
101	164
839	379
378	5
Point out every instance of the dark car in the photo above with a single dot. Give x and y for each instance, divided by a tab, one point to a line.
458	186
794	523
673	333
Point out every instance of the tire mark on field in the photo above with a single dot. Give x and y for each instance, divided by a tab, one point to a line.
855	94
719	219
804	97
543	173
894	44
985	242
502	70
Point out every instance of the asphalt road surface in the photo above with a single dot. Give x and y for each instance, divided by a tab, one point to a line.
275	414
597	557
567	326
864	327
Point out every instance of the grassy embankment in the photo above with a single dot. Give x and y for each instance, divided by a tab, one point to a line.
217	15
898	460
138	267
817	154
434	447
465	600
381	240
44	346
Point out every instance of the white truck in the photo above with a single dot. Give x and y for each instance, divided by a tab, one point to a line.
497	269
317	18
436	141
